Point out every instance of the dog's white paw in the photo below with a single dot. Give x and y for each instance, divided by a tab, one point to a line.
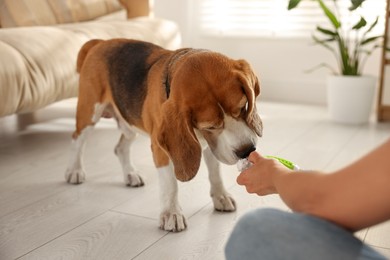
224	202
173	221
133	180
75	176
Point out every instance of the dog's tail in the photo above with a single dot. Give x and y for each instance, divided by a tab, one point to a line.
84	52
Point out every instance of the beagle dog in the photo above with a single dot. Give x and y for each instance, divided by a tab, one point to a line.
186	100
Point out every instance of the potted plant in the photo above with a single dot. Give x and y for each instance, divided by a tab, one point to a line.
350	94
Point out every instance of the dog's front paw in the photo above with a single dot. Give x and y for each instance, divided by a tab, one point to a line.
133	180
224	202
75	176
173	221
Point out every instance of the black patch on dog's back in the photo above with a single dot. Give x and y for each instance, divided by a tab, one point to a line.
128	70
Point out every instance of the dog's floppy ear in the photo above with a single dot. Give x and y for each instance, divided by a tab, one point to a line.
251	86
178	139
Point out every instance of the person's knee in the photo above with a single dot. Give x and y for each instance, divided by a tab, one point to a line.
258	218
253	229
262	233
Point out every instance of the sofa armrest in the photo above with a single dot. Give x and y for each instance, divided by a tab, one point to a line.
136	8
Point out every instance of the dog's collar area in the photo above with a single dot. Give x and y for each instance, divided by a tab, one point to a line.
167	85
170	64
175	57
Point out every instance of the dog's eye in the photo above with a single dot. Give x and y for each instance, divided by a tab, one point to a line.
244	109
240	112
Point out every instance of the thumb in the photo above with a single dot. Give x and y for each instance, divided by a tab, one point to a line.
242	178
255	157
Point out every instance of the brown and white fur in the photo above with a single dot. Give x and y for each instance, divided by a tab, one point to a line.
186	100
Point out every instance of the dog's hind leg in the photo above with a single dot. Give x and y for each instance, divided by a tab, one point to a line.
75	172
122	150
222	200
86	118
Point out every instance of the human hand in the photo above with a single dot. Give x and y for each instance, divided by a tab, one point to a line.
260	177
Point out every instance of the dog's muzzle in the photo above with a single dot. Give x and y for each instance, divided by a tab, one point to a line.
245	151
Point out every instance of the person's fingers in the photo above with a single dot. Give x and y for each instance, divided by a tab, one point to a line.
242	178
254	157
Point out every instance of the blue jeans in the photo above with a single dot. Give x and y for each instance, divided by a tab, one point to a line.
274	234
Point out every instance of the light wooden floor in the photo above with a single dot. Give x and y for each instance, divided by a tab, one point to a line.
42	217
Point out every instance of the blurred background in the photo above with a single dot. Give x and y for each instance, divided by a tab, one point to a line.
277	42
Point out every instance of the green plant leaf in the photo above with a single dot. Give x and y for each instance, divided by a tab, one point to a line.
372	25
328	40
348	51
345	58
292	4
354	67
326	31
369	52
371	39
362	22
324	43
322	65
333	19
355	4
365	40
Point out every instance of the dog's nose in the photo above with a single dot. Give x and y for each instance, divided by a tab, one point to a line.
244	151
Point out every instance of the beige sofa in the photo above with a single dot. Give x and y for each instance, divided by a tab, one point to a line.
39	42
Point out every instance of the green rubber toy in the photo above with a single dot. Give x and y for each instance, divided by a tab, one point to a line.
244	164
287	163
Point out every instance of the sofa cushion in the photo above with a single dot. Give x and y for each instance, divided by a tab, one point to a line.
39	67
14	13
40	61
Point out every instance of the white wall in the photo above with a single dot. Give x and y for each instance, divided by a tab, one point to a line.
279	63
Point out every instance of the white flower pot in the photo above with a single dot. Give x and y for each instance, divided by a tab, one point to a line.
350	98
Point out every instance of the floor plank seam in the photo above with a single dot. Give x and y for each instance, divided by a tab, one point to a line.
63	234
342	148
380	247
365	235
151	245
132	215
32	203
